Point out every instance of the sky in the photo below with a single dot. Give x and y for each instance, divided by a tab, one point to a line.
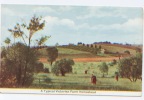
73	24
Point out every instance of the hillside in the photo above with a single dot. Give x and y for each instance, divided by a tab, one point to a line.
110	48
118	48
67	53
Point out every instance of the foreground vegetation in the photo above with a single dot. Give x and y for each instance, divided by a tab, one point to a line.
83	82
77	79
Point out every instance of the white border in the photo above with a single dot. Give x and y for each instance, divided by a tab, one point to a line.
117	3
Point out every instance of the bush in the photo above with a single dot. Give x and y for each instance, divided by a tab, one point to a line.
62	66
127	52
131	67
19	63
46	70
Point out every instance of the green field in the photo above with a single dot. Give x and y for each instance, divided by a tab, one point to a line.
78	79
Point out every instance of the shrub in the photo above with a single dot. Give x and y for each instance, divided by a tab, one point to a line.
127	52
62	66
46	70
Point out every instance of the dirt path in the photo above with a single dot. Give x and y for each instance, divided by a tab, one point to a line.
96	59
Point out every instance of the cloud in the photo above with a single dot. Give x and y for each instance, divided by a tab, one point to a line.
121	12
130	26
52	21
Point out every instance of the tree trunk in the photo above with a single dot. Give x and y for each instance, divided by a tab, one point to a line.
62	73
51	63
103	75
130	79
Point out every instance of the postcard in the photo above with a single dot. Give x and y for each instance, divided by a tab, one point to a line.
78	50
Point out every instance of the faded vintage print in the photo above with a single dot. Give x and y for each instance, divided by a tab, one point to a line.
76	48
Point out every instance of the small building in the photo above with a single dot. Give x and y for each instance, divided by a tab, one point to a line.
103	51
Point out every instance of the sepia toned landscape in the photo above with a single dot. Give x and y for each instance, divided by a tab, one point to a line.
61	47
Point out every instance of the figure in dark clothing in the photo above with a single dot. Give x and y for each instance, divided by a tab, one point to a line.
86	71
93	79
116	77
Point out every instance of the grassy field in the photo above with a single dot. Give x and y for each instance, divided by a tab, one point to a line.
118	48
79	80
82	81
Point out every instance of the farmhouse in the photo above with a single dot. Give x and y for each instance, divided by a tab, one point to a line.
102	51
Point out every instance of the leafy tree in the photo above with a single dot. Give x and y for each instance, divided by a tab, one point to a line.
62	66
52	54
103	68
131	68
20	57
7	41
15	64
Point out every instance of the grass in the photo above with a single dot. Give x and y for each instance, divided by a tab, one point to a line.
120	49
82	81
70	51
79	80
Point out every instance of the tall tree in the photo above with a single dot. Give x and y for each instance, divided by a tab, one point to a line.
52	54
34	26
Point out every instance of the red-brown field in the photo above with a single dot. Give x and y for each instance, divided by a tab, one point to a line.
96	59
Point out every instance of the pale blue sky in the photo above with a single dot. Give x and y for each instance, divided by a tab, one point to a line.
72	24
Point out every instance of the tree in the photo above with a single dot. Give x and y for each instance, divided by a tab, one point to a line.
34	25
103	68
39	67
42	40
7	41
20	57
100	47
131	67
62	66
15	64
52	54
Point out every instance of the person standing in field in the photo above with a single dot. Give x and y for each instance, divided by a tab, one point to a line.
93	79
86	71
116	77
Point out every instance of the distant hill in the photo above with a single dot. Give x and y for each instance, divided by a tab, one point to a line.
114	48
